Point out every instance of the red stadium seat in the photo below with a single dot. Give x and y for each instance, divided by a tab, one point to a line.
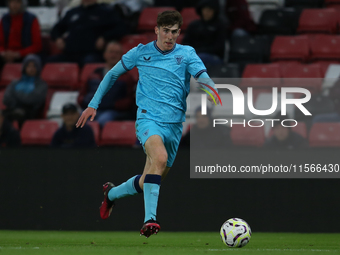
290	48
332	2
325	47
9	73
131	41
324	66
257	75
38	132
318	21
61	75
119	133
325	135
300	128
134	74
87	70
148	17
247	136
189	15
96	130
2	106
302	75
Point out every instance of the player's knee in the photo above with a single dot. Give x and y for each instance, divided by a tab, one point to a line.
162	159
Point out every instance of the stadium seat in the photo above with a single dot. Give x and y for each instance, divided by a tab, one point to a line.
148	17
87	70
279	22
318	104
248	49
247	136
2	106
331	76
304	3
189	15
318	21
134	73
96	130
300	128
10	72
38	132
325	65
332	2
264	101
59	99
290	48
130	41
325	135
261	76
119	133
47	16
302	75
224	71
257	7
325	47
61	75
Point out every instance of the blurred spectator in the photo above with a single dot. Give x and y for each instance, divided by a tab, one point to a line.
9	136
82	33
204	135
178	4
334	94
285	138
25	98
119	102
19	33
68	136
241	23
207	35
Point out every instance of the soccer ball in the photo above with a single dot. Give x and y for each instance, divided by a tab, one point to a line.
235	232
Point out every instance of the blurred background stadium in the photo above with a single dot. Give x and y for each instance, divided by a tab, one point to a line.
59	188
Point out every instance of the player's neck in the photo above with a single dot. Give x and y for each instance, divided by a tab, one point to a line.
158	43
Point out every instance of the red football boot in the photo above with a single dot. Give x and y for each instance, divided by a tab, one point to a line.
150	227
107	205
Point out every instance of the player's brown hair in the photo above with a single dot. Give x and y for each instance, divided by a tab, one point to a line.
169	18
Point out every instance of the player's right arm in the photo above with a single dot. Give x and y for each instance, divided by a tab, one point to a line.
104	86
127	62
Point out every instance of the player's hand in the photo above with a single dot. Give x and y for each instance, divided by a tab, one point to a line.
89	112
216	99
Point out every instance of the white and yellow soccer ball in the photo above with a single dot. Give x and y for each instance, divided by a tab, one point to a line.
235	232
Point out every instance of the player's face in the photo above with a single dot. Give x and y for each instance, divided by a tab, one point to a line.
167	36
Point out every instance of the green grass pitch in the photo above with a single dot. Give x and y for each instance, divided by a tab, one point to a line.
70	242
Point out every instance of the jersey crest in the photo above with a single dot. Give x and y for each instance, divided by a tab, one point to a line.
179	59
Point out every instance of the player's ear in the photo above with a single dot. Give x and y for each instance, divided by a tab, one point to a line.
156	30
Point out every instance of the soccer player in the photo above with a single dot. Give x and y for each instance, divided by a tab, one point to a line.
164	69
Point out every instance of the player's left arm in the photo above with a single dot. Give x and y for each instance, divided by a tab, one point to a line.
207	80
198	70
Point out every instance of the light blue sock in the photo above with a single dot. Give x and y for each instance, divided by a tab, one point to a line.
152	184
128	188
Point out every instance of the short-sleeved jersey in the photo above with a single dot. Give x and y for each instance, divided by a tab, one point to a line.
164	80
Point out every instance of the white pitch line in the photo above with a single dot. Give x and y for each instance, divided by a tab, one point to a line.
19	248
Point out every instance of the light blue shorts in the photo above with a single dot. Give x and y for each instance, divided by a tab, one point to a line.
170	133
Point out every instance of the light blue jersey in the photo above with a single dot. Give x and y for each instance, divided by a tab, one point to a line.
164	80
